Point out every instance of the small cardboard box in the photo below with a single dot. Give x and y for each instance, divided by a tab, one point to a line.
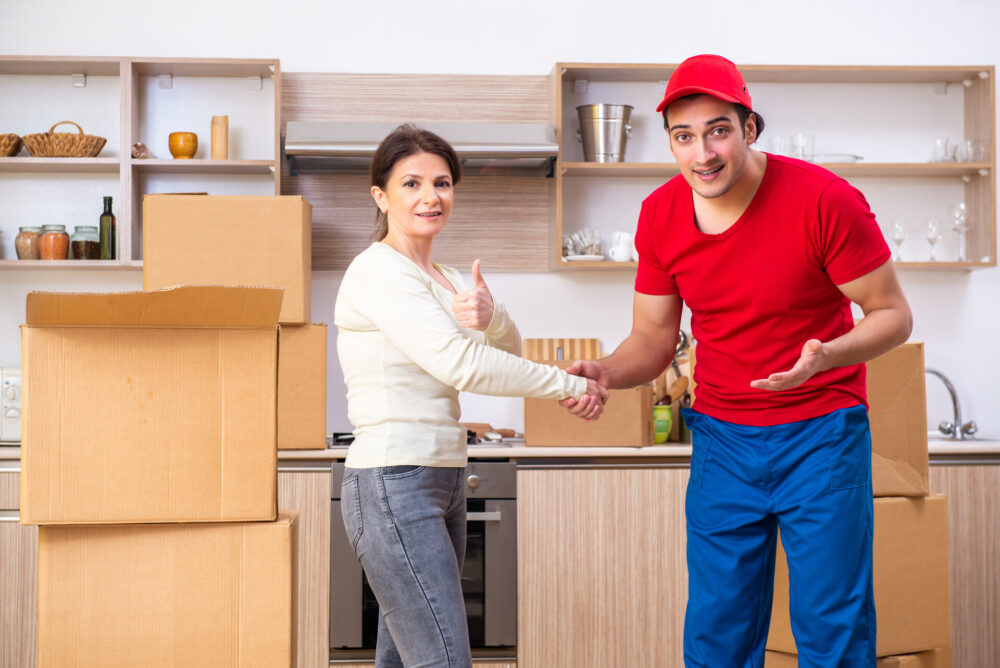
911	579
627	420
230	240
302	387
190	595
897	411
935	658
150	406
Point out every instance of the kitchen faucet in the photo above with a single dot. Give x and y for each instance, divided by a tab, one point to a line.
956	430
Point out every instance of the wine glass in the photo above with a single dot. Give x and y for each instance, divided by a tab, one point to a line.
898	237
933	236
959	223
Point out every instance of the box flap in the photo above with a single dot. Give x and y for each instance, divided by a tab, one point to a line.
183	306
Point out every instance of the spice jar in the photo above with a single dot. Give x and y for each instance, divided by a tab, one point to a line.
85	243
26	243
53	243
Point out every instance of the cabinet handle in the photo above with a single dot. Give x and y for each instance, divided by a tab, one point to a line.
489	516
10	516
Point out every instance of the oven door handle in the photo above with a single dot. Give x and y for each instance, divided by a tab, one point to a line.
489	516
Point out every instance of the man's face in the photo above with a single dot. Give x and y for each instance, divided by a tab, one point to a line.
709	143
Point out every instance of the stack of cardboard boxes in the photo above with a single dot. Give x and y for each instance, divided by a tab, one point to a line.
149	450
911	531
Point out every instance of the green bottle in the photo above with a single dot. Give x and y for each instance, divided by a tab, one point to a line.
108	232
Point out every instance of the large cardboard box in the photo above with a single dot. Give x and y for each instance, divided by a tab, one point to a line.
212	595
911	579
897	401
302	387
150	406
627	420
935	658
230	240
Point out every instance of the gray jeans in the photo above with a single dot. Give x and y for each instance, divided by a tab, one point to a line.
407	526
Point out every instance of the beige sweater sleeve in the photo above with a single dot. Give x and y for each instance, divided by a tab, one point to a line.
396	298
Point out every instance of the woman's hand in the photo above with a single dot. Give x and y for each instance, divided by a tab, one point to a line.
474	308
590	405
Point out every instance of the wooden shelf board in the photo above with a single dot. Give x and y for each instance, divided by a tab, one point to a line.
599	264
63	264
95	66
110	165
204	67
911	169
945	266
203	166
654	73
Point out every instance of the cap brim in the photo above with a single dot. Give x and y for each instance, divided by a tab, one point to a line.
695	90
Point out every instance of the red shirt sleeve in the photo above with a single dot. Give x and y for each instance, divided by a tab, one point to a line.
850	243
652	278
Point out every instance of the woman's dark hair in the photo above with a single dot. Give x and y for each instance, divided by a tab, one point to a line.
742	113
404	141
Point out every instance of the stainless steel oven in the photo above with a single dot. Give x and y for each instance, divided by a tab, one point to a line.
489	577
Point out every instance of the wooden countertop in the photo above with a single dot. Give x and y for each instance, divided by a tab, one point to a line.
939	449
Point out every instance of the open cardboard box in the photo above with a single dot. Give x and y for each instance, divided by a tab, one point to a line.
150	406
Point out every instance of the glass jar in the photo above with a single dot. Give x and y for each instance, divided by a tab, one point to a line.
85	244
53	243
26	243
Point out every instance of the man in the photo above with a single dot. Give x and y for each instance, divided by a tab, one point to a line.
768	253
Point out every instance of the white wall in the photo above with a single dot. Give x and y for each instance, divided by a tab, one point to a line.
956	313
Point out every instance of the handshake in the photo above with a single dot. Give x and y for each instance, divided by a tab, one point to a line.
591	404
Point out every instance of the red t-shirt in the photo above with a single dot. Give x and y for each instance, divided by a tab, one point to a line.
758	291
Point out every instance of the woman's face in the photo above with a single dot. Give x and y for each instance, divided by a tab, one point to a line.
418	196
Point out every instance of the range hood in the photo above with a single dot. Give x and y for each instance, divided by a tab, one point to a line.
484	148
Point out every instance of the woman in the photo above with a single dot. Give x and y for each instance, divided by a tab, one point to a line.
410	336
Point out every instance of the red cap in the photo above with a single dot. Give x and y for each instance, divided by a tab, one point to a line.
710	75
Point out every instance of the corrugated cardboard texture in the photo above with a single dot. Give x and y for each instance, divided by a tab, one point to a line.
302	387
191	595
911	579
935	658
627	421
148	424
897	400
230	240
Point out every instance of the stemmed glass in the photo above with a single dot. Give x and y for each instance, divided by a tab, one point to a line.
898	237
933	236
959	223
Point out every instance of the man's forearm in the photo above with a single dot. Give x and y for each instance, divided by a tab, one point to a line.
638	360
878	332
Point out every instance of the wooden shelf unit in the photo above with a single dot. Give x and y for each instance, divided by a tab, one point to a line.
978	178
143	112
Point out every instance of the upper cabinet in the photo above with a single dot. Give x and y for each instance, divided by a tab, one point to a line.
917	141
130	100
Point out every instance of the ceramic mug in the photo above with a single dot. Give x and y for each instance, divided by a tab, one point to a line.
620	253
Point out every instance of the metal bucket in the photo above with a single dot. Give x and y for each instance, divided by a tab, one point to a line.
604	129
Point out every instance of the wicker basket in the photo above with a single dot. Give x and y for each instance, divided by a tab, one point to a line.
10	145
63	144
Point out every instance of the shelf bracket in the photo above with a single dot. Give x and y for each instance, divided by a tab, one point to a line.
78	80
940	87
581	86
255	82
165	81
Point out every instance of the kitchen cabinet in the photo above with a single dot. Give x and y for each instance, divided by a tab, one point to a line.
305	487
974	543
890	116
128	100
18	576
601	574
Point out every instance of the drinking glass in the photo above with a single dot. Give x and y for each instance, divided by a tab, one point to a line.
933	236
898	237
960	223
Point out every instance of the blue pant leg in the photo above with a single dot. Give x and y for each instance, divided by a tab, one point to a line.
824	503
730	548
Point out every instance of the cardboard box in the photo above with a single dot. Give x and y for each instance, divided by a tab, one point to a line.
302	387
150	406
212	595
897	400
627	421
911	579
213	240
935	658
